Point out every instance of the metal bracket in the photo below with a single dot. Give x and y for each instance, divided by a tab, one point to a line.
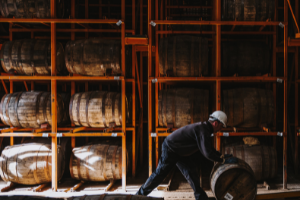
117	77
45	135
154	80
226	134
114	134
119	23
279	80
281	25
59	135
152	23
153	134
280	134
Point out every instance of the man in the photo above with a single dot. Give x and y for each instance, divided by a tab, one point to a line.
178	149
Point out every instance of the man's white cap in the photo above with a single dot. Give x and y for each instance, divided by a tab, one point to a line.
219	115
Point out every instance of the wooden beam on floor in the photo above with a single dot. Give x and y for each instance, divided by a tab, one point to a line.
72	189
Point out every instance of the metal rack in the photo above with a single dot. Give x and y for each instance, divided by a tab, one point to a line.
154	79
55	132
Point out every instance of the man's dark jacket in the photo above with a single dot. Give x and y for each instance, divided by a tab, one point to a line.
189	139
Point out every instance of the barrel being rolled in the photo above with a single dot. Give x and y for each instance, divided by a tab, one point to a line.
183	56
29	109
96	109
98	162
27	57
182	106
262	159
248	107
117	197
246	58
233	181
248	10
93	57
30	8
30	163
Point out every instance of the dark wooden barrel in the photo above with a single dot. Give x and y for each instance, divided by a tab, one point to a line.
248	10
97	162
97	109
117	197
93	57
183	56
233	181
29	109
27	57
248	107
30	163
245	58
30	8
262	159
182	106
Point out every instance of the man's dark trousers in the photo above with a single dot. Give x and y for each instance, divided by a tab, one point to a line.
187	166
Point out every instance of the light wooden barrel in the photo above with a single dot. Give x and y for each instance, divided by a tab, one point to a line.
245	58
29	164
233	181
248	107
29	109
183	56
262	159
27	57
117	197
30	8
97	162
248	10
93	56
96	109
182	106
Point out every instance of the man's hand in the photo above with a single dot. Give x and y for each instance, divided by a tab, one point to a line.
231	160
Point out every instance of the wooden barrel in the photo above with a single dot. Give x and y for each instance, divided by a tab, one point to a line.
29	109
93	57
182	106
248	107
30	8
262	159
248	10
97	162
183	56
27	57
245	58
29	164
96	109
233	181
117	197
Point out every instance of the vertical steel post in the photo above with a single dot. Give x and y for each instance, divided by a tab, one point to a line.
156	87
11	90
296	95
133	111
73	139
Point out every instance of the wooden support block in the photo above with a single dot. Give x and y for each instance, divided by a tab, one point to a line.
72	189
45	126
9	186
112	182
75	130
40	187
170	181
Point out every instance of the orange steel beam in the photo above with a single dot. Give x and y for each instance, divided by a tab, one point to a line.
26	87
237	23
135	41
149	88
144	48
219	78
138	80
66	21
285	102
73	30
32	85
4	86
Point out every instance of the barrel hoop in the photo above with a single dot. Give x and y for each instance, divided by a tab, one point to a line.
5	175
243	152
46	57
67	57
9	56
45	103
87	99
37	109
200	56
102	196
2	162
113	166
120	161
86	161
19	66
6	109
1	108
106	147
120	108
17	155
103	108
81	59
192	58
113	106
70	109
192	108
36	168
46	171
78	166
262	162
6	8
78	108
16	9
128	197
174	57
1	9
173	110
31	57
71	165
234	151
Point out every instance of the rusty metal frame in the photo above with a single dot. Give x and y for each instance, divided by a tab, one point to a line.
217	79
